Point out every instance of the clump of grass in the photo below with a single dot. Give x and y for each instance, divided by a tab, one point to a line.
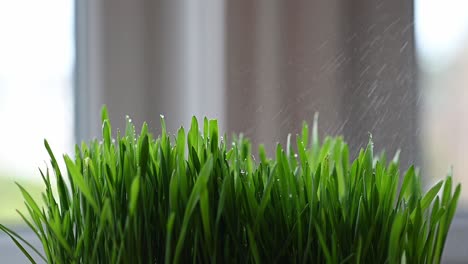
194	198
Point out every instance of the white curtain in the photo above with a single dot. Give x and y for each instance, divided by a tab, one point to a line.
146	58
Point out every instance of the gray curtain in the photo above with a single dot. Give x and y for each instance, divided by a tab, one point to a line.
261	67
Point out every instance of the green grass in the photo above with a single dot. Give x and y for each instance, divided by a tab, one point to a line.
195	197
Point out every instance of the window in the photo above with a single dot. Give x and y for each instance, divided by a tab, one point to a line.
36	102
442	45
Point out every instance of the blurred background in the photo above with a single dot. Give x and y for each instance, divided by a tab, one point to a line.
395	68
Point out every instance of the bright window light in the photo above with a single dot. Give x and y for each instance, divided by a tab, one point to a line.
36	66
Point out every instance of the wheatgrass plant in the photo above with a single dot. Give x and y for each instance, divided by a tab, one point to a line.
193	198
